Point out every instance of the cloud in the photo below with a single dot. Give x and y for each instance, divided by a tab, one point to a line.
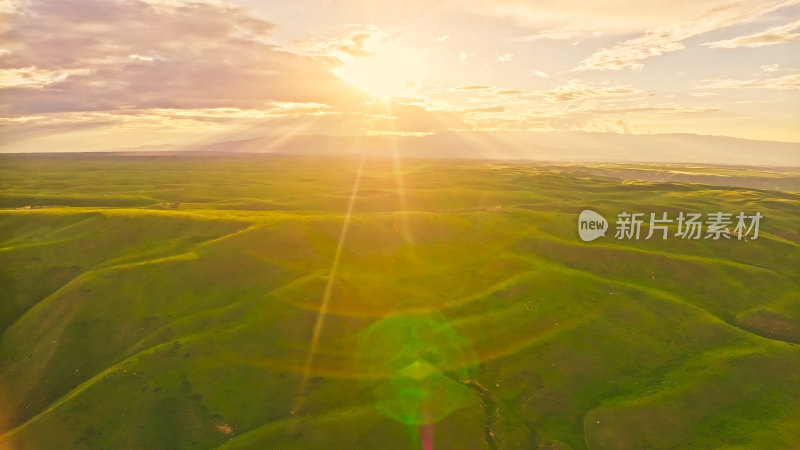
510	91
473	87
165	65
563	33
791	81
79	131
657	108
418	119
488	109
560	18
772	36
572	96
570	104
629	53
141	58
98	55
580	90
97	72
354	44
32	77
669	38
172	118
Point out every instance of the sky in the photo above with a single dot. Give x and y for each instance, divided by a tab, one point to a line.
85	75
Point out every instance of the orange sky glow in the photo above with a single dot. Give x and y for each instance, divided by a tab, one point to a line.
92	75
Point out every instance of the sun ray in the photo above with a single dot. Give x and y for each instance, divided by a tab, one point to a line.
399	182
323	308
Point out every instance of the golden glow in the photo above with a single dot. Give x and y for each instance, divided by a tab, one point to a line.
326	297
388	72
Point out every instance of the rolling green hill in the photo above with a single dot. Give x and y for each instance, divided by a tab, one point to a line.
171	301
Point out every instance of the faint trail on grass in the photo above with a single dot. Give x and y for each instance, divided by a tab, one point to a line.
675	256
189	254
116	367
18	319
249	437
661	294
111	370
685	373
60	311
217	239
88	275
33	244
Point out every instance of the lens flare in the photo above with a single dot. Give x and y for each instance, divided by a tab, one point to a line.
417	364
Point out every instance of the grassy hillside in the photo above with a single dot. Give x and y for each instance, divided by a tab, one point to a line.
171	302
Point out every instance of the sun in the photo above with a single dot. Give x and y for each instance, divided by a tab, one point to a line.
387	72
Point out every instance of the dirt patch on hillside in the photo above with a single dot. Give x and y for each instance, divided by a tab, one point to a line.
770	325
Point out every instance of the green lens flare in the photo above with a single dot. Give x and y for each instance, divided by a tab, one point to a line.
416	364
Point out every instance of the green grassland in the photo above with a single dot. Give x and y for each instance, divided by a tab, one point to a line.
155	302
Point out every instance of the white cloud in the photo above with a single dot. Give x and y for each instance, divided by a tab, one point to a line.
612	15
141	58
68	56
791	81
462	56
563	33
629	53
770	68
772	36
540	74
8	6
669	38
176	117
505	57
356	43
671	108
580	90
443	38
33	77
472	87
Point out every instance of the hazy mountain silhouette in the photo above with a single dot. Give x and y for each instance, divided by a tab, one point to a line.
551	146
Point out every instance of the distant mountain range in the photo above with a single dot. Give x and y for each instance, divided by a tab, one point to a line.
549	146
